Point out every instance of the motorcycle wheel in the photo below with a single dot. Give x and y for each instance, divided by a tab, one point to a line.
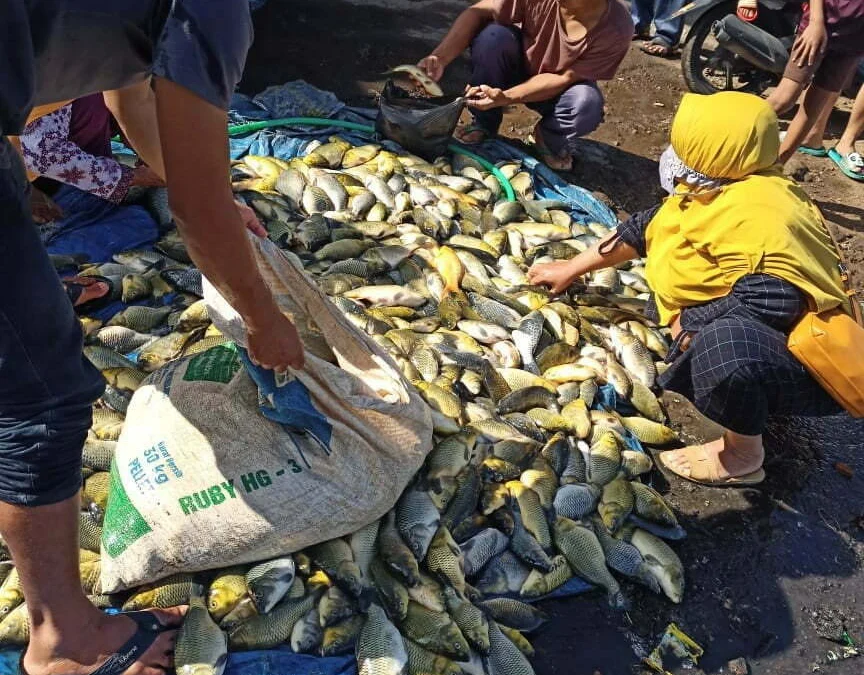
695	59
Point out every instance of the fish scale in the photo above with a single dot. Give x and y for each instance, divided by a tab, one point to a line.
201	645
625	558
417	520
269	630
435	631
583	551
481	548
380	647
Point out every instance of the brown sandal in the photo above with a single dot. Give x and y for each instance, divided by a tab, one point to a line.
703	469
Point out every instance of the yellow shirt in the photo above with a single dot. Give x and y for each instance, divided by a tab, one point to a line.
700	244
699	247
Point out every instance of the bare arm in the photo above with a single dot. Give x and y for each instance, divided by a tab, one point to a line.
458	38
542	87
559	275
202	202
134	108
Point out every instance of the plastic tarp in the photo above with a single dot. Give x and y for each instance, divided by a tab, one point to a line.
299	99
97	228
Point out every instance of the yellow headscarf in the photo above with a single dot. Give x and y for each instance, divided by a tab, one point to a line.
701	242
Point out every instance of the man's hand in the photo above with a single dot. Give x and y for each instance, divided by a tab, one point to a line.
810	44
432	66
558	275
274	343
484	97
145	177
42	208
250	220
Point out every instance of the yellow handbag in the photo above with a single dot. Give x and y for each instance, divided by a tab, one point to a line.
830	345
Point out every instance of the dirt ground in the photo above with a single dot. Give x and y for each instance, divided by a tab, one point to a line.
774	574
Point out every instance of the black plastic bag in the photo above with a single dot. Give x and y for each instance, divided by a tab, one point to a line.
423	126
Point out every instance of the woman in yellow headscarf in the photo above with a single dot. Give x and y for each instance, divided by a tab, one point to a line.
734	256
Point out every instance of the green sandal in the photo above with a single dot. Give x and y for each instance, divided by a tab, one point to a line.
813	152
845	163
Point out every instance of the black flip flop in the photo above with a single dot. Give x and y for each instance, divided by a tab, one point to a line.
149	628
73	284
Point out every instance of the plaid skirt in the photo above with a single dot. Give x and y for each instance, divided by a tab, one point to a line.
737	369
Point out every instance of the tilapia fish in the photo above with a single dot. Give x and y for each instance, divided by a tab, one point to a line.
533	476
202	647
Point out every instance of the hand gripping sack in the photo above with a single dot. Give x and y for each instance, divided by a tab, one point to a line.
202	479
423	126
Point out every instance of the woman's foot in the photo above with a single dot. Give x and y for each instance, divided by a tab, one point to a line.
747	10
84	290
51	652
641	34
848	161
657	47
562	161
733	459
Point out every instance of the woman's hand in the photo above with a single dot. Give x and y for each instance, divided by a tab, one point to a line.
558	275
42	208
484	97
145	177
810	44
432	66
274	343
250	220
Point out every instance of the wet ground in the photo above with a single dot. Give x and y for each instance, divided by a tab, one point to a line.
774	574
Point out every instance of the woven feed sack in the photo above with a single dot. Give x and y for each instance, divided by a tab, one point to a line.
219	465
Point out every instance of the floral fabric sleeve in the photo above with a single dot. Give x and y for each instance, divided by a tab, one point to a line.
48	151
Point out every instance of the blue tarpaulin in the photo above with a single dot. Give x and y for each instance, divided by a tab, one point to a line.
97	228
299	99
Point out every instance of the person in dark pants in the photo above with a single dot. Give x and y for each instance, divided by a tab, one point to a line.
167	71
735	256
547	54
667	31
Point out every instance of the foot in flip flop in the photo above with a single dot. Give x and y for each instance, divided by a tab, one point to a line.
88	292
472	134
848	161
657	47
137	643
748	10
731	460
556	162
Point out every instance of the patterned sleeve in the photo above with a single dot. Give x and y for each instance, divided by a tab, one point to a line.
632	230
48	152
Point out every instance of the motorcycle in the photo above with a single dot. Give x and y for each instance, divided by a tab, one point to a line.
722	52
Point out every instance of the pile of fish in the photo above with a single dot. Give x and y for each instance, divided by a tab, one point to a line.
532	481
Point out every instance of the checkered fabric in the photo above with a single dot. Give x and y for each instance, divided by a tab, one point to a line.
737	370
632	230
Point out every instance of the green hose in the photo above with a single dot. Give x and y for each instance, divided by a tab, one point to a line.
249	127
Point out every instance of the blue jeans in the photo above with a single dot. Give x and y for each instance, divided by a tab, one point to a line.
668	31
497	59
47	387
